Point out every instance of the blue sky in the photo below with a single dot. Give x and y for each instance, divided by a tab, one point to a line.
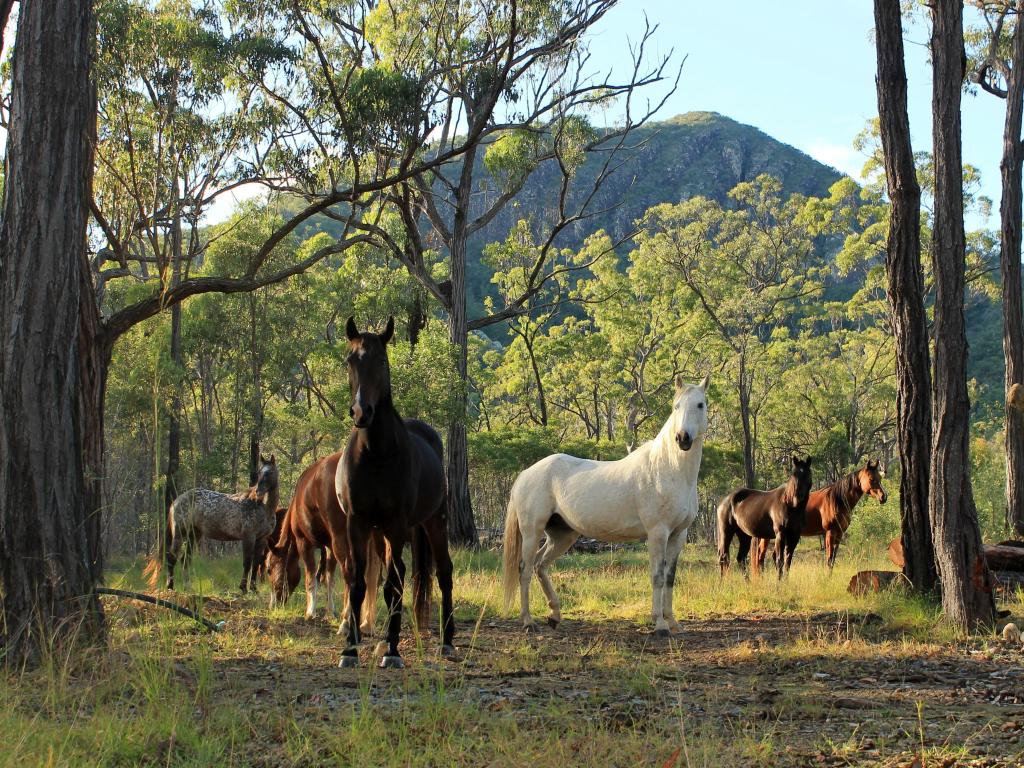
803	71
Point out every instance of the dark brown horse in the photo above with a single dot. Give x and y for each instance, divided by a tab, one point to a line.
315	521
830	509
263	547
391	478
777	514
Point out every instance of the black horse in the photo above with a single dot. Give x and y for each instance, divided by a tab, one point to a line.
777	514
391	479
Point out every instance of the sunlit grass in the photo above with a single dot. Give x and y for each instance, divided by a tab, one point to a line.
166	693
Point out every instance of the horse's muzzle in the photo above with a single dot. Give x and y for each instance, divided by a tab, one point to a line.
683	440
363	417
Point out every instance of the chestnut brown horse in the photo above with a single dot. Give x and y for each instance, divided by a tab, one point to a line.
391	479
830	509
315	521
776	514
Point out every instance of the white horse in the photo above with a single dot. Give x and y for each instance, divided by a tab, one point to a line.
651	493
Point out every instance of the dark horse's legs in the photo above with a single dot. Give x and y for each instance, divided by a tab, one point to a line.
780	548
725	534
792	539
743	550
248	563
354	570
394	585
171	557
437	534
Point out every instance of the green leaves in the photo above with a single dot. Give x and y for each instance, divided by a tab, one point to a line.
384	107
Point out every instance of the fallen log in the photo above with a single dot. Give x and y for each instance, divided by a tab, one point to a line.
1008	581
1000	557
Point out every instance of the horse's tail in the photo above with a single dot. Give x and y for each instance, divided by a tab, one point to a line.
155	562
372	575
725	520
513	550
422	572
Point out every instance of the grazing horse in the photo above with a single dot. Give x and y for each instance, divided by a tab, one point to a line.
315	520
777	514
830	509
248	517
391	479
263	547
651	493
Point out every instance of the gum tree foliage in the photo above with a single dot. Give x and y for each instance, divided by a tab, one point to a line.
520	98
747	267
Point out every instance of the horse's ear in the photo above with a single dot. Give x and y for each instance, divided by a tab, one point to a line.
350	328
679	382
704	382
272	460
808	462
793	459
389	330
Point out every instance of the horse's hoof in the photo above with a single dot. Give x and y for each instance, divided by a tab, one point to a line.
392	662
448	651
530	628
349	662
553	622
662	634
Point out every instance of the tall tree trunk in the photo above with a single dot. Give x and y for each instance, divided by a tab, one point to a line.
906	299
256	403
174	417
749	473
461	526
967	597
49	519
542	403
1009	267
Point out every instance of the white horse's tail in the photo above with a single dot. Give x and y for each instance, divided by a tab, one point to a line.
513	552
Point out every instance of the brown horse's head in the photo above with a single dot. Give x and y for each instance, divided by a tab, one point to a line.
282	570
798	488
870	479
369	374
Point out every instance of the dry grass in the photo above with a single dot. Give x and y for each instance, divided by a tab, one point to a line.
795	673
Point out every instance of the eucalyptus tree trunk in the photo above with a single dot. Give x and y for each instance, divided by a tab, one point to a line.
966	582
905	292
749	472
1010	272
461	526
51	350
174	417
256	401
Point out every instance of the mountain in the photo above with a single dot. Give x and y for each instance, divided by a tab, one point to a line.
694	154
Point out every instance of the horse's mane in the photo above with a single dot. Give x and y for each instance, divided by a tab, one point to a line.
270	502
789	491
839	492
847	484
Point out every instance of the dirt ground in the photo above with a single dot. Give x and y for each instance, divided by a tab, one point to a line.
817	689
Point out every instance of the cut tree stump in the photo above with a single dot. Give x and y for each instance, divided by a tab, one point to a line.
1006	556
